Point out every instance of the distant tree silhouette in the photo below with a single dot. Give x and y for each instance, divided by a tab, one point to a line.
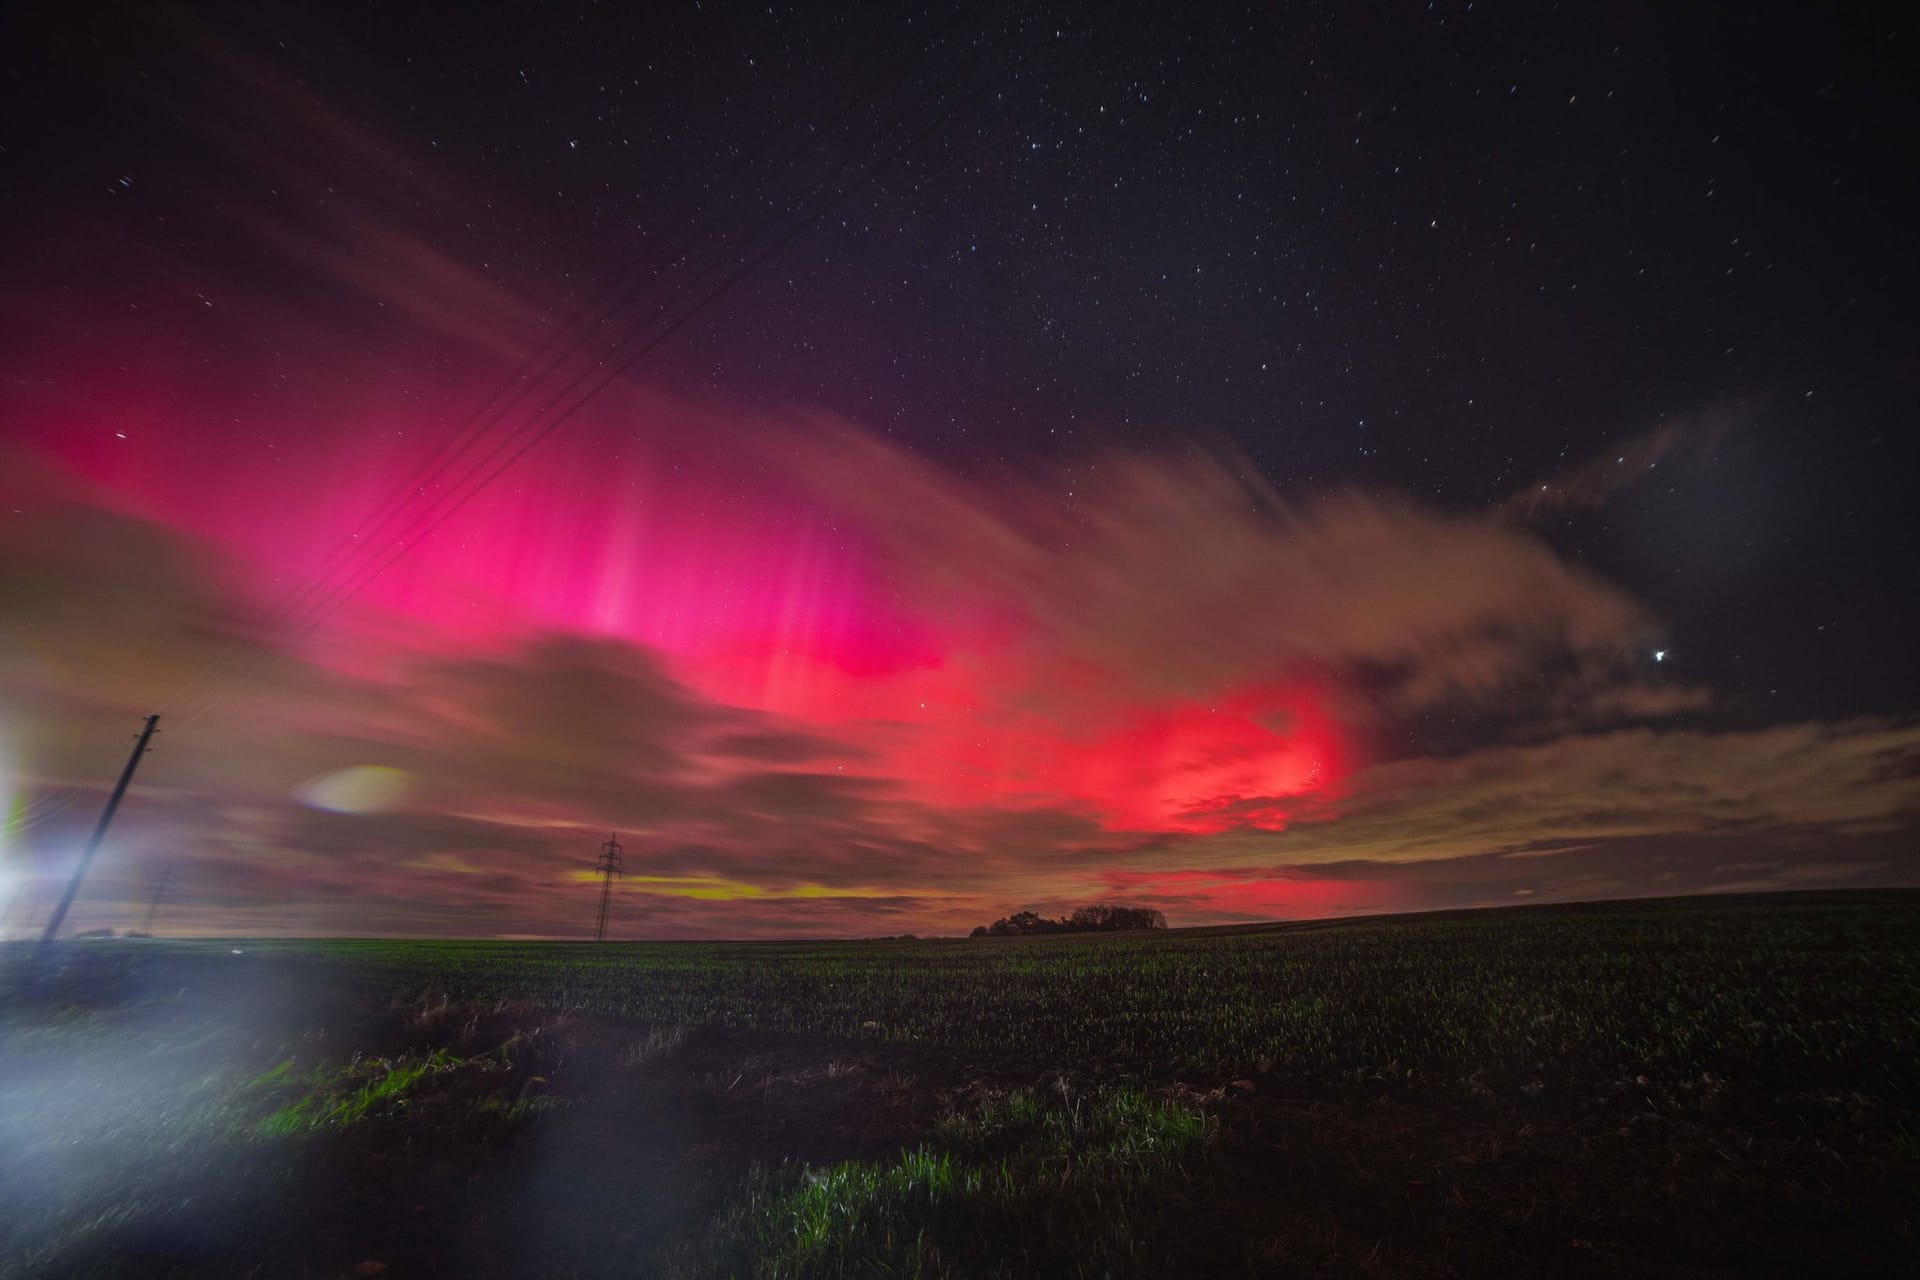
1104	919
1093	919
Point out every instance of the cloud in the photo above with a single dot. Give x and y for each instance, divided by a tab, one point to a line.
519	760
1161	687
1846	780
1632	700
818	682
1595	482
1180	577
1629	866
74	576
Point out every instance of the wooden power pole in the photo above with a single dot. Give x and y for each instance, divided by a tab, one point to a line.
608	867
99	833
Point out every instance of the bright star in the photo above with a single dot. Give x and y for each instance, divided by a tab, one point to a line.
1659	655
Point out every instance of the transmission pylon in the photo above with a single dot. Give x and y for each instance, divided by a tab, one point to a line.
159	892
608	867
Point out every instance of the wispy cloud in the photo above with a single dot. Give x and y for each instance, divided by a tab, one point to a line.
1594	482
1157	681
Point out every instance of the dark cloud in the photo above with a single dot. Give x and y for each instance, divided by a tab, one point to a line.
776	747
562	708
1788	857
741	823
99	605
812	797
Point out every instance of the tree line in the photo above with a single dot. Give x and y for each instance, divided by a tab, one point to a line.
1095	919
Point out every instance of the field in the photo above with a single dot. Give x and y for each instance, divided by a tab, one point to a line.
1684	1087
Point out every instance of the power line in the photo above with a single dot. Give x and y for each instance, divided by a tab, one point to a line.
554	353
725	284
45	808
530	434
99	831
318	593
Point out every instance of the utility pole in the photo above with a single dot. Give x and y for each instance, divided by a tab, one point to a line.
159	892
99	833
608	867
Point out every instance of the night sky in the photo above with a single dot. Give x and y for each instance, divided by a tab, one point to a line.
1255	463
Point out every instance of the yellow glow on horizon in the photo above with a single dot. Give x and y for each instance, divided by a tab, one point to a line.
722	889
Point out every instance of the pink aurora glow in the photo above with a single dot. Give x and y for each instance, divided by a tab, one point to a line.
755	592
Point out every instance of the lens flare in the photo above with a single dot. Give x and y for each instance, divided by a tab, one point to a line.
363	789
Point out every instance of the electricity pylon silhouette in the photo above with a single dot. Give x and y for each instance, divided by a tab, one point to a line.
608	867
159	892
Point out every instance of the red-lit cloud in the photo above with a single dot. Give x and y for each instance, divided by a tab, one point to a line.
818	682
908	713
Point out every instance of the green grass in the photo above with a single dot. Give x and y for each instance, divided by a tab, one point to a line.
1083	1182
334	1098
1816	993
1710	1085
346	1095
